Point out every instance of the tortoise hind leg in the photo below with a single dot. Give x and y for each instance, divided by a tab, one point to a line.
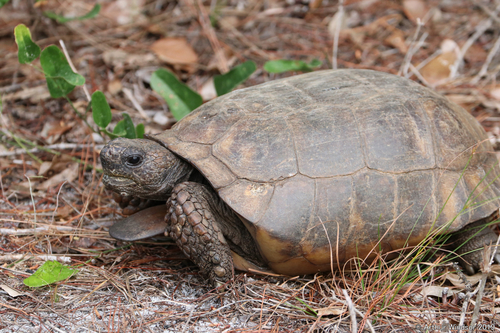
475	236
206	230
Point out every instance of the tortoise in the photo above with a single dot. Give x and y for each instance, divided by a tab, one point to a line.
302	174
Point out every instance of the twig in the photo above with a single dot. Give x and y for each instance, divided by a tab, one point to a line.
33	201
1	184
352	311
484	68
481	28
20	232
210	33
336	299
188	320
46	257
491	14
486	272
53	327
477	306
20	144
66	54
403	70
57	200
49	149
136	104
337	33
415	71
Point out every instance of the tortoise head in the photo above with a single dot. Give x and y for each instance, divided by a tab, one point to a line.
142	168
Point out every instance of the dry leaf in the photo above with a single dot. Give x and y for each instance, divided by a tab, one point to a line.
461	99
58	164
125	11
10	291
161	118
207	91
334	23
229	22
495	92
397	39
174	51
64	212
69	174
438	70
335	311
414	9
120	58
315	4
35	94
115	86
457	282
436	291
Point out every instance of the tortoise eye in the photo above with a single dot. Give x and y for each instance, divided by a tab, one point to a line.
134	160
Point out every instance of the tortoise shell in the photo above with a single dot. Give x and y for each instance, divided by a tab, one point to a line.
335	161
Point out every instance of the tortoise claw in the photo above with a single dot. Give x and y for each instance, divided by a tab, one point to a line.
146	223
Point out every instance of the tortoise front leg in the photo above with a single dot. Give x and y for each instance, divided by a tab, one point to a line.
194	224
131	205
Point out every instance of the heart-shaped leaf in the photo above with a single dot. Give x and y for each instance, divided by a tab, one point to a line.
239	74
48	273
282	65
180	98
61	80
27	49
139	130
101	112
129	127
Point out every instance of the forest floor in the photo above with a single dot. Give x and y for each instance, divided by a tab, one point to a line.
53	205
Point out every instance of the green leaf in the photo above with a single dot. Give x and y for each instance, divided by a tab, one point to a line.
3	3
61	80
101	112
61	19
139	130
119	129
48	273
280	66
239	74
180	98
129	127
27	49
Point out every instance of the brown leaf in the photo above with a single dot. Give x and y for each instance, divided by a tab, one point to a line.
64	212
397	39
83	242
10	291
335	311
229	22
207	91
120	58
58	164
125	11
495	92
174	51
414	9
473	279
69	174
437	71
436	291
115	86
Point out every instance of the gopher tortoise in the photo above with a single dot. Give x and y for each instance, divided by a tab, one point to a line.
302	174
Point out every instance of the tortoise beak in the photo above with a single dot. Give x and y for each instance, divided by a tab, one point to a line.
114	182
